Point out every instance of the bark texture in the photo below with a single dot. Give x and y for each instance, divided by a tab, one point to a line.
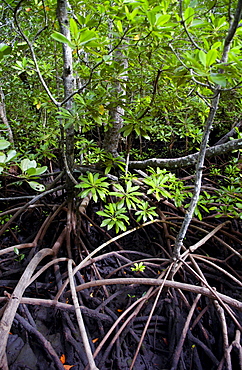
188	160
112	135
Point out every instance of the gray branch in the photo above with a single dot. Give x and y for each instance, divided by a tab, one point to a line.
188	160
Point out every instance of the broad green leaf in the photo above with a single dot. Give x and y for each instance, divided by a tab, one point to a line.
73	28
2	158
87	36
31	171
4	144
1	169
94	195
36	186
202	57
61	38
128	130
16	250
119	26
162	19
4	50
84	193
105	222
10	155
198	23
217	45
218	79
151	17
40	170
188	16
211	57
26	163
101	194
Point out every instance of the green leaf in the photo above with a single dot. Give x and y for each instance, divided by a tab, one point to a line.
16	251
211	57
128	130
61	38
40	170
31	171
119	26
10	155
94	195
4	144
101	194
84	193
36	186
162	19
218	79
26	163
86	36
73	28
2	158
202	57
133	14
4	50
151	17
188	16
105	222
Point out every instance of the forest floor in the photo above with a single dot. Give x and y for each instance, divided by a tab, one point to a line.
142	319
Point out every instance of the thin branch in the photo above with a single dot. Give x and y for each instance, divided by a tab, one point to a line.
15	14
168	283
183	23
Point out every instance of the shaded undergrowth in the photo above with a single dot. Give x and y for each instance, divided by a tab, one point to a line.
165	315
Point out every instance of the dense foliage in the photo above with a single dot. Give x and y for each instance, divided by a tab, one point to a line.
126	107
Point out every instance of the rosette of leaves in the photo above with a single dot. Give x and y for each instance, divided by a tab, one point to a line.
128	196
98	186
114	216
145	212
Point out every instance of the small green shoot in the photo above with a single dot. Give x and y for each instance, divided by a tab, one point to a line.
138	267
20	256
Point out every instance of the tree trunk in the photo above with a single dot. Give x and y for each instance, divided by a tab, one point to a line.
68	81
112	135
4	117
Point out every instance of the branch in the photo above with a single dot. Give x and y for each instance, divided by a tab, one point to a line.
33	53
229	134
79	91
188	160
208	126
158	282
